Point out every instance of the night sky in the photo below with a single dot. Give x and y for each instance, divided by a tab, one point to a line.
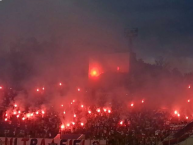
165	26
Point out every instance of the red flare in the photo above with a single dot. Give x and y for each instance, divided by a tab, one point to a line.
98	110
62	126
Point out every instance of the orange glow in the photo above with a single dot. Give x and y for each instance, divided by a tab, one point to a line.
94	73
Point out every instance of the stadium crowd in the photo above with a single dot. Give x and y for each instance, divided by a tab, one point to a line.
115	124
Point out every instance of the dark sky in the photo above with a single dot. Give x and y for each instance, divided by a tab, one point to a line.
165	26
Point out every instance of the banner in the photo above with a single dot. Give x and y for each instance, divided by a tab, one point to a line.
42	141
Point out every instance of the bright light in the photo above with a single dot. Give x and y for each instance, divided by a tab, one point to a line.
121	122
186	117
82	124
64	112
94	73
132	104
178	115
189	86
175	112
73	123
98	110
28	115
82	106
89	112
74	115
1	87
68	124
14	112
6	115
142	101
17	116
62	105
37	90
73	101
62	126
37	112
23	118
60	84
43	112
19	112
78	89
109	111
5	119
105	110
43	88
32	114
15	105
189	101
